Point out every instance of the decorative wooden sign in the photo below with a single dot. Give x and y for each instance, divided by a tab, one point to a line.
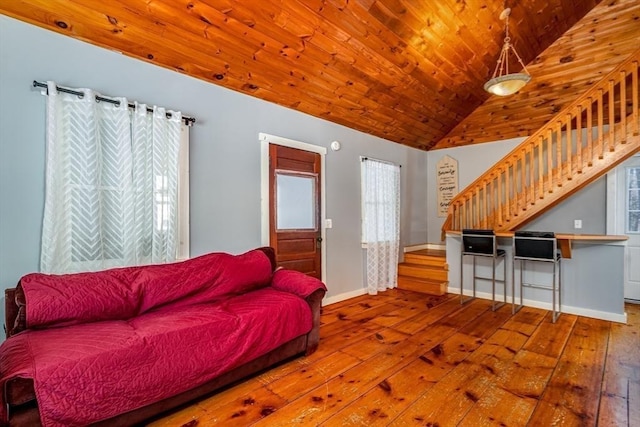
447	183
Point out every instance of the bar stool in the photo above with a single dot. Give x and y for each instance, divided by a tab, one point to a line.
482	243
540	247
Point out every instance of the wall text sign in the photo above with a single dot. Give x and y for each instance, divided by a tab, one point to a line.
447	183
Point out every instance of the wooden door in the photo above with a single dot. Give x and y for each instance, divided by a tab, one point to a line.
294	209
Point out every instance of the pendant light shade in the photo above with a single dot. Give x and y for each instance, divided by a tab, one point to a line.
507	84
503	83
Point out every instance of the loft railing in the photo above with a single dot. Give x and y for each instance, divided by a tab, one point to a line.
581	143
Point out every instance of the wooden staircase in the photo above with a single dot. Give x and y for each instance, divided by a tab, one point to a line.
424	271
580	144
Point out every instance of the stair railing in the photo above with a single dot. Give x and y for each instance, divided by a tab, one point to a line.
579	144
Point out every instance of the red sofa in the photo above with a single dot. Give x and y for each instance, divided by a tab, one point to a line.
120	346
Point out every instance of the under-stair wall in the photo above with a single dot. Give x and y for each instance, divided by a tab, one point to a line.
581	143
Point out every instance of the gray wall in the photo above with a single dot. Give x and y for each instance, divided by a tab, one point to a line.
225	153
592	279
589	205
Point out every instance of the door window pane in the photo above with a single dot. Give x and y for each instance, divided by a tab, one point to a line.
633	200
296	206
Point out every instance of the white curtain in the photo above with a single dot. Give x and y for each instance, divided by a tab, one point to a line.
111	184
381	223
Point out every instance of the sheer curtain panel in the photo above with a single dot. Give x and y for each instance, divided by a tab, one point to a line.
111	184
381	223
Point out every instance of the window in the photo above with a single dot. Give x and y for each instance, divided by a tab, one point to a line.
117	184
380	201
380	223
633	200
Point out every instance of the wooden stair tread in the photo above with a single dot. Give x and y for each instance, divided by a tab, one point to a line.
422	266
440	253
421	280
427	286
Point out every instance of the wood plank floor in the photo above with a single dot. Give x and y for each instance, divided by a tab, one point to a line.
404	358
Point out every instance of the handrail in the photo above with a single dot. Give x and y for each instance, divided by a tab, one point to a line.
517	183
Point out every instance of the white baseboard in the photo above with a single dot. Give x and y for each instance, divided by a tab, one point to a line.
579	311
344	296
424	246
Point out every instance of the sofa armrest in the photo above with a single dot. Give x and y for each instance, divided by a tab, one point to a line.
10	310
315	302
296	283
309	288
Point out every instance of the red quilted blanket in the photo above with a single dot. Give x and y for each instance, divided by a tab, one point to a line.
133	337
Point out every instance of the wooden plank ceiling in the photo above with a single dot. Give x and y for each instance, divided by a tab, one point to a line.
408	71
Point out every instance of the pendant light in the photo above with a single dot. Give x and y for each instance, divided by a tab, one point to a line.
502	82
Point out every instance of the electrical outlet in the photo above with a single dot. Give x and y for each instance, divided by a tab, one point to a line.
577	223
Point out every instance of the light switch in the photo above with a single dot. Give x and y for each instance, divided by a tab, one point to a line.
577	223
328	223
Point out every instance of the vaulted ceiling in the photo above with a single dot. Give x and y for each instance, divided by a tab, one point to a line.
405	70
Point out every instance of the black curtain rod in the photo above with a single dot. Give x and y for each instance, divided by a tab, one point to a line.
381	161
187	120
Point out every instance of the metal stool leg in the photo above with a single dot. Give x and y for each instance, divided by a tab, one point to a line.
513	285
462	298
493	285
504	282
461	277
559	286
473	287
553	298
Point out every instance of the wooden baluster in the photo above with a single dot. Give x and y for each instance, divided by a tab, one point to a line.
463	214
476	208
469	217
623	107
550	159
579	138
491	203
541	167
484	204
507	193
532	194
590	132
452	209
569	139
612	116
515	199
600	125
559	154
479	202
523	186
636	94
499	197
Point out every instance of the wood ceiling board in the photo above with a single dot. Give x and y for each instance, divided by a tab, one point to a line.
406	71
581	57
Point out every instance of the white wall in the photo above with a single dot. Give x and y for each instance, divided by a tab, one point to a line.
225	153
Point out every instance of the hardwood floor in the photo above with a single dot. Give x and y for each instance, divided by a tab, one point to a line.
404	358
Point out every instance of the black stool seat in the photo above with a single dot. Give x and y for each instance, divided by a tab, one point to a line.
538	246
482	243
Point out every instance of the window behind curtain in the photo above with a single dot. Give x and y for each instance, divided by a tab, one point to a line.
115	183
633	200
381	223
380	201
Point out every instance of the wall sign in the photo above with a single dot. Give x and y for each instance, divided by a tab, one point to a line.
447	183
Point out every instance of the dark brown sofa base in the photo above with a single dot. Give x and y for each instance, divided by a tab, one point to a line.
23	409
